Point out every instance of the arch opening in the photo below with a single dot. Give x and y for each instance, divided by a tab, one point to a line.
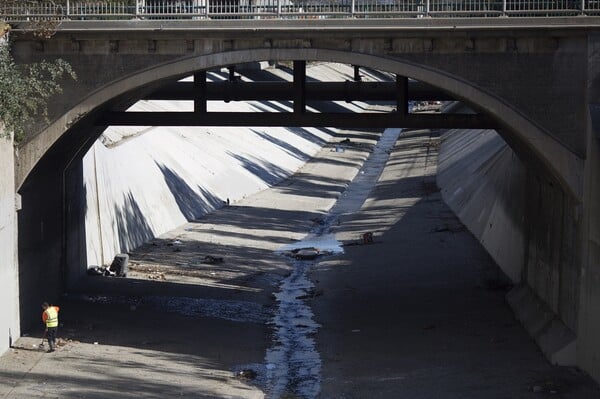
75	141
524	136
70	145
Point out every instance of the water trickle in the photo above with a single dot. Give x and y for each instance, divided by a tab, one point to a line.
293	364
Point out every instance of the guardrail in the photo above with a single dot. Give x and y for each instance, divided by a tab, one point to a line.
15	11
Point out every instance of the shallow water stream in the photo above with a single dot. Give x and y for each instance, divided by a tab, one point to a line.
293	365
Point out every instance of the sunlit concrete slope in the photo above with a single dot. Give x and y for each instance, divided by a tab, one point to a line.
483	182
142	182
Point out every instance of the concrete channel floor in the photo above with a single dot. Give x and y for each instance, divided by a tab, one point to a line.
418	314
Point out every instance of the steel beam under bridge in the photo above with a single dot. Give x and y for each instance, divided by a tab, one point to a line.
299	91
283	91
342	120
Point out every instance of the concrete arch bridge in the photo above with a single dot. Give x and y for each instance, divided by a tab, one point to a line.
535	80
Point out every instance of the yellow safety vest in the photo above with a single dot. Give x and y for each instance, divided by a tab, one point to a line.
52	320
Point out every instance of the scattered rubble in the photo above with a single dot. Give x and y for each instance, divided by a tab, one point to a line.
306	253
311	294
156	276
246	375
100	271
551	387
449	227
363	239
212	260
65	341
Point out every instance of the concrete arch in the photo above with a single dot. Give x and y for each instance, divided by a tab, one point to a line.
561	163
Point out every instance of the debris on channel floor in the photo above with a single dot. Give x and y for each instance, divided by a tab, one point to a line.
363	239
246	375
212	260
306	253
156	276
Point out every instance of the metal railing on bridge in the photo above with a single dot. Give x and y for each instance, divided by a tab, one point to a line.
14	11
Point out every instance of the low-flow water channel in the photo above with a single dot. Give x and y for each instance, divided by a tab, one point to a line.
293	365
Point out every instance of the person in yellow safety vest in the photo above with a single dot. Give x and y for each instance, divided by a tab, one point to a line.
50	319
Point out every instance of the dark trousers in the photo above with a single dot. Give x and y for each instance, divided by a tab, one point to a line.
51	335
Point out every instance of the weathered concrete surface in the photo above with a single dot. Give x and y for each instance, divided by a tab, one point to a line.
483	182
507	206
589	313
41	224
9	272
553	260
557	342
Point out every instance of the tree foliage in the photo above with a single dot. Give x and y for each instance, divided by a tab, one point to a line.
25	89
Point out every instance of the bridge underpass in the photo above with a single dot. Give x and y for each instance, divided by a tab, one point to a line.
562	202
366	336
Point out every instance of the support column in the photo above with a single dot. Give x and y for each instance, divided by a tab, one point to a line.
299	87
402	95
357	77
200	92
588	345
9	271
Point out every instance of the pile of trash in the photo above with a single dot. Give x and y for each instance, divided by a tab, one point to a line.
118	267
100	271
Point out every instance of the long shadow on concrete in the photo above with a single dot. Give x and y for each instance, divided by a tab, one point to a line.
132	226
192	203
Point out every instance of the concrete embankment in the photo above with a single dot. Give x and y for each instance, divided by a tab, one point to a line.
483	181
142	183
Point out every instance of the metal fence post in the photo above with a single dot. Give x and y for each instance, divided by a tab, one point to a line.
504	8
582	7
68	9
206	10
427	8
278	9
352	7
136	12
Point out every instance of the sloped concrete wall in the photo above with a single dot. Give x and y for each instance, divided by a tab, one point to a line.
553	247
139	184
483	182
166	177
9	274
530	227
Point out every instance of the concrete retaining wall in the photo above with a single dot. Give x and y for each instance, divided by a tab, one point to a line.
589	312
528	225
9	275
483	182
